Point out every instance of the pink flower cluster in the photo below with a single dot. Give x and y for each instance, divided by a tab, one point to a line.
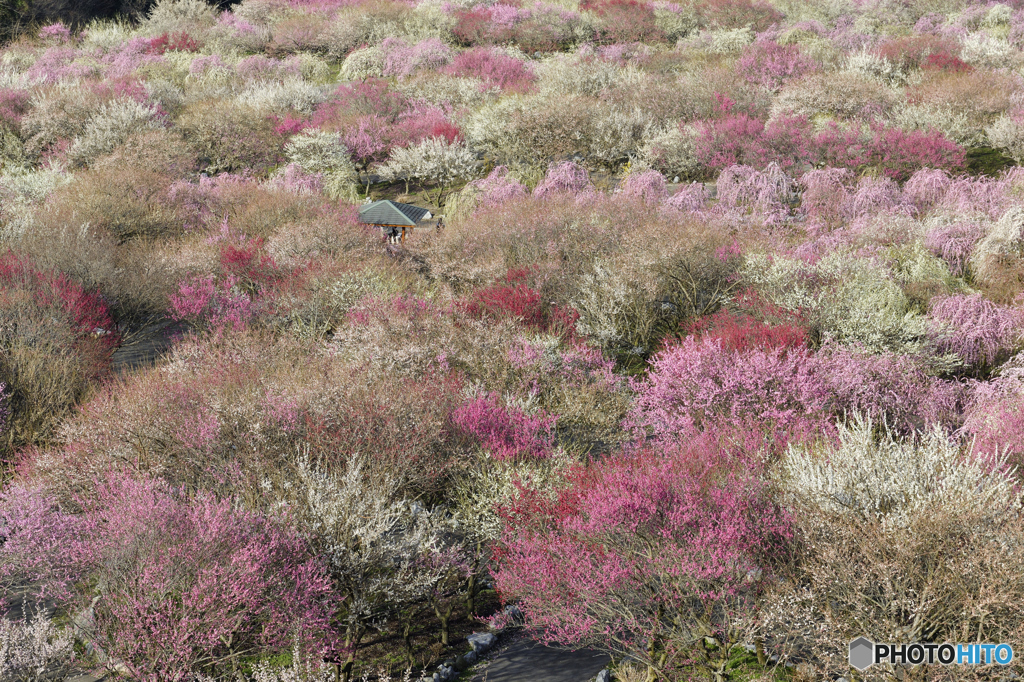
212	303
655	544
506	432
494	69
185	582
792	143
976	329
788	390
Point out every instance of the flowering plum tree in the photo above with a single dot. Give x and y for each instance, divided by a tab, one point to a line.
175	586
644	556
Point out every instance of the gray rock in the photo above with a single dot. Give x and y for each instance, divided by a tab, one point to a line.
481	641
436	677
604	676
470	657
514	614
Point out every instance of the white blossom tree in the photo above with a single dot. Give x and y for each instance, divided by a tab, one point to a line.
434	161
318	152
378	545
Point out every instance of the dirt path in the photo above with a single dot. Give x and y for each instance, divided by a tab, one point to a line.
144	346
521	658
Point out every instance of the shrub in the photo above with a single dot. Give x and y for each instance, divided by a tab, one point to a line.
179	42
976	329
494	69
187	585
770	65
826	196
738	13
954	243
1007	133
324	154
743	189
994	416
739	332
402	60
230	138
692	198
643	556
401	553
899	153
624	21
576	383
13	106
226	412
648	186
563	177
109	127
505	432
901	584
498	187
35	648
511	298
122	198
927	187
915	572
530	130
206	303
854	477
700	380
58	337
434	161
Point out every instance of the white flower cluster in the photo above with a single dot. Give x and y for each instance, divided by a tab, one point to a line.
1007	133
316	151
371	538
435	160
281	96
35	650
109	127
877	474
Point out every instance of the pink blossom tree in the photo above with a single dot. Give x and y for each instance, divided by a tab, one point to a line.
506	432
175	586
563	177
647	185
645	556
976	329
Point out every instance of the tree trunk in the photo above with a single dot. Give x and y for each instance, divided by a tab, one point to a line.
444	617
762	657
471	596
352	638
407	639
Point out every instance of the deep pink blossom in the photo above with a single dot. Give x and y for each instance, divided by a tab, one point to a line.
506	432
638	551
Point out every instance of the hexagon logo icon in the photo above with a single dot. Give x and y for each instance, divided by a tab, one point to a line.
862	653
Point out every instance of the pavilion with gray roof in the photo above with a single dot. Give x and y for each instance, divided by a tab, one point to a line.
392	217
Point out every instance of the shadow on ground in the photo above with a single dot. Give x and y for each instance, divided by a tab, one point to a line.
142	347
525	659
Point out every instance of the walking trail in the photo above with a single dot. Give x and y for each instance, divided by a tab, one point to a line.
521	659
